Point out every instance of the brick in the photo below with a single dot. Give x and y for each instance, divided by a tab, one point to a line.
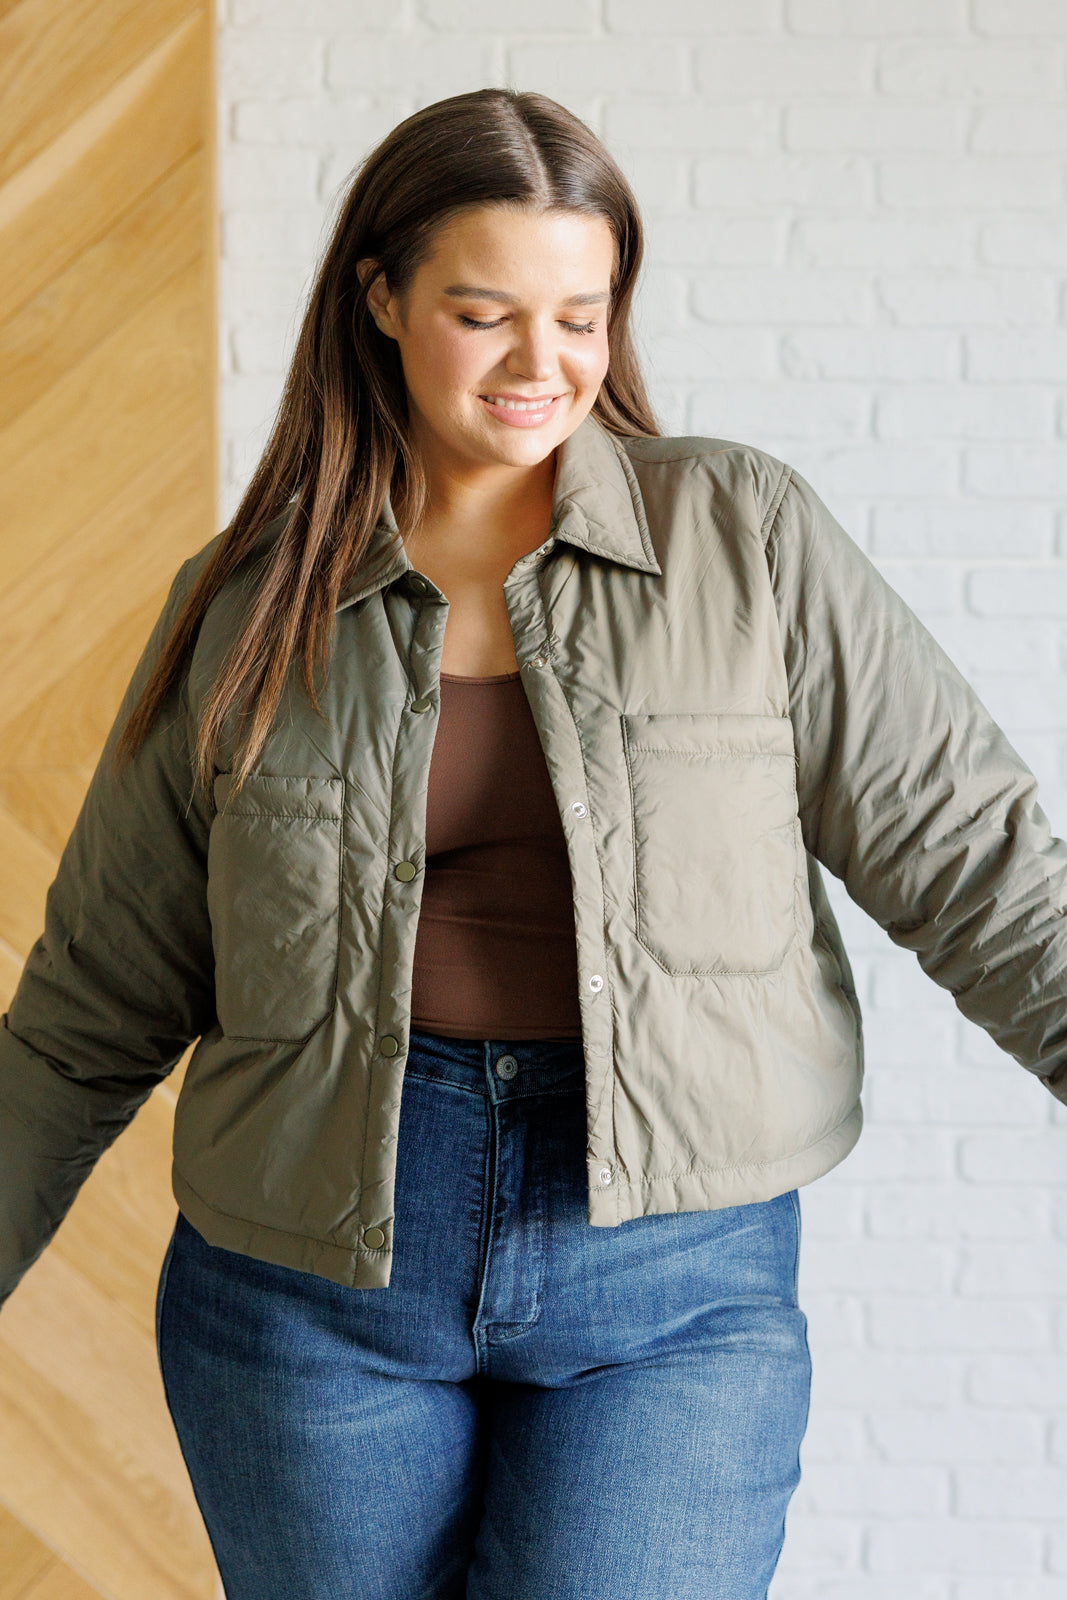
261	61
790	68
1037	1380
950	1097
873	469
780	295
954	1211
1018	356
652	65
1037	591
859	1266
263	344
1001	1268
1031	470
975	182
871	127
872	353
1009	1492
960	299
835	1321
911	1037
861	1377
923	1545
829	1211
702	239
968	532
781	411
789	1586
919	1322
659	179
1019	130
1022	708
835	17
819	181
1018	17
823	1544
262	290
960	68
834	1433
327	16
276	234
1024	241
553	16
252	177
639	122
1014	1157
963	411
1013	1588
874	1489
695	17
954	1433
884	241
703	351
450	64
353	123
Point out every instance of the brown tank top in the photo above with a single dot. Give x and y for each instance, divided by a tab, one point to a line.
495	950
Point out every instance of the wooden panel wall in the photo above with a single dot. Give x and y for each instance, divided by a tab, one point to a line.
107	482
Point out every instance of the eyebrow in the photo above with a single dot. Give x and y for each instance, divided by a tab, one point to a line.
467	291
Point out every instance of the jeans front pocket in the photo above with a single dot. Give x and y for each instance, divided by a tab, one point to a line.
274	899
715	827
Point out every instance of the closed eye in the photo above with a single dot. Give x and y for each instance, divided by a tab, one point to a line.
575	327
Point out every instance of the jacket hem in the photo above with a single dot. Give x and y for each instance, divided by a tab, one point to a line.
714	1188
353	1269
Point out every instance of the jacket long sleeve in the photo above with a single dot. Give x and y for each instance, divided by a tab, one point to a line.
911	794
117	986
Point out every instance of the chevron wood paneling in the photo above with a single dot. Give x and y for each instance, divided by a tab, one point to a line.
107	483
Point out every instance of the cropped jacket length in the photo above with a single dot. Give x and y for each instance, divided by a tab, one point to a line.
729	698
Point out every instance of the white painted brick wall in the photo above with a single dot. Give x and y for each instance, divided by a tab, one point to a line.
857	246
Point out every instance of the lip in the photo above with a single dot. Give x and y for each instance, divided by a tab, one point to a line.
522	419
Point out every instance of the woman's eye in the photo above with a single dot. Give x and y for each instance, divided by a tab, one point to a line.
575	327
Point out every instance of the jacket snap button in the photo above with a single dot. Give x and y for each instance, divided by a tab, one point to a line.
605	1176
507	1067
419	584
423	703
374	1238
596	983
389	1045
405	871
578	808
539	661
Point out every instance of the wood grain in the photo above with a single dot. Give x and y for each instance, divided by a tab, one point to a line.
107	484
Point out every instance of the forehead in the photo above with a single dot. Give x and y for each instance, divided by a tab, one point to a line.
533	247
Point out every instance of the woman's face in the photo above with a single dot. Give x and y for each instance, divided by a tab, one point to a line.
510	308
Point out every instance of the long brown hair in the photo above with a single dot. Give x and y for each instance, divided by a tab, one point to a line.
340	440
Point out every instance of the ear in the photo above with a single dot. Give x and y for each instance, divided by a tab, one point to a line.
379	299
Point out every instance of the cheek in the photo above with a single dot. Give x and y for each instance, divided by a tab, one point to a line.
590	363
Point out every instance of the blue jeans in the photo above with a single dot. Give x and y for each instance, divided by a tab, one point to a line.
534	1409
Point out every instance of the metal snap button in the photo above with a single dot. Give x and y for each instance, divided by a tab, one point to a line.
507	1067
596	983
373	1238
605	1176
389	1045
578	808
423	703
539	661
405	871
419	583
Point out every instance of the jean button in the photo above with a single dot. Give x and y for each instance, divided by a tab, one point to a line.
507	1067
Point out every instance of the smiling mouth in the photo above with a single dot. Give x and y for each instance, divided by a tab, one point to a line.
541	404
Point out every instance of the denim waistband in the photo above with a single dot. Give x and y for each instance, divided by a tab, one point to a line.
501	1069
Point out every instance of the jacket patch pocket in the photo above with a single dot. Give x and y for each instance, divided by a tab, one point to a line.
714	806
274	899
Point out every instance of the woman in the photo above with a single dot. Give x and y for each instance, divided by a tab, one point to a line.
468	807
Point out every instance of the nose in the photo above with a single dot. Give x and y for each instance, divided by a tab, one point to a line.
532	355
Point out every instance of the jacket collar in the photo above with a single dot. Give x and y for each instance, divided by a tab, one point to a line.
596	506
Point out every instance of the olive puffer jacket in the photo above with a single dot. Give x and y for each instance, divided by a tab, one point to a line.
729	697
